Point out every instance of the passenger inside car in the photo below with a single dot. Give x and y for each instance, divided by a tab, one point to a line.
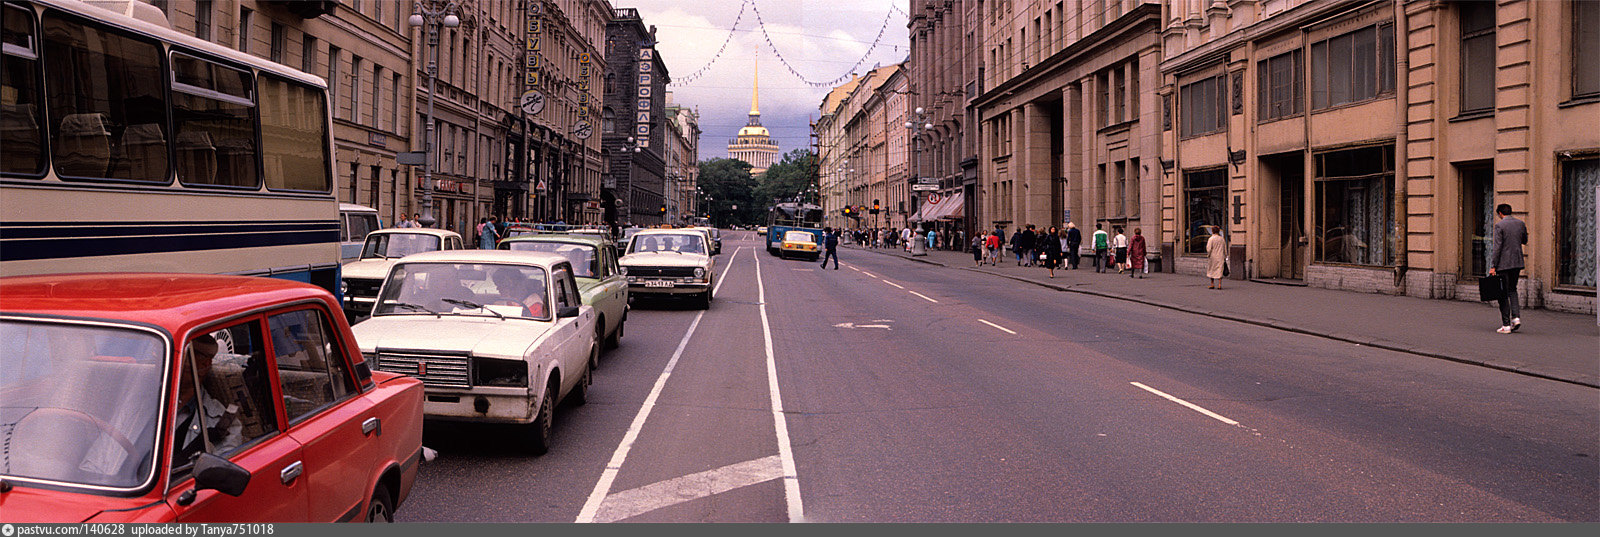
516	288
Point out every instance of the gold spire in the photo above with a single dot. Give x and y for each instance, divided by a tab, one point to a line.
755	88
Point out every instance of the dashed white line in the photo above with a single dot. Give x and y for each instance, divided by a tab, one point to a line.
1191	406
1002	328
852	268
897	286
867	274
924	297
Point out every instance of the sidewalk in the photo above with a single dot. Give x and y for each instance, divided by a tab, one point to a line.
1558	346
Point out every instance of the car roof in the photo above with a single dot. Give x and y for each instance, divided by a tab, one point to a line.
486	256
675	231
418	231
168	300
558	237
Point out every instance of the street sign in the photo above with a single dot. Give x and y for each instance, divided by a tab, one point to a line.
532	102
411	158
924	188
582	130
935	198
927	180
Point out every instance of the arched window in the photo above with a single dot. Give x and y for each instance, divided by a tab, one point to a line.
608	120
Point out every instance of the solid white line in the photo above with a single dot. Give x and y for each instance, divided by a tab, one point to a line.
791	481
603	486
1002	328
634	502
1191	406
924	297
894	284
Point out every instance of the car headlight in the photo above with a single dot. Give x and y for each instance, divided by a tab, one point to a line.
622	270
699	272
344	287
497	372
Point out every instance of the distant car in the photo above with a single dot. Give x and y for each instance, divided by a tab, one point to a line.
137	397
716	238
383	248
799	244
670	263
761	230
496	336
600	280
355	222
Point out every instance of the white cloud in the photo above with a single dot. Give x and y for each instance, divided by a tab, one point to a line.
822	40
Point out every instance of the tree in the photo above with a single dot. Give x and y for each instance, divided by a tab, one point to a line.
790	177
725	183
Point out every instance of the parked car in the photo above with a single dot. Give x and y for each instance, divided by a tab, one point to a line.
600	280
383	248
355	222
799	244
271	415
670	263
496	336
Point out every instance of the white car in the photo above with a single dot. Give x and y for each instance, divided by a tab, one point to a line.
496	336
360	279
670	263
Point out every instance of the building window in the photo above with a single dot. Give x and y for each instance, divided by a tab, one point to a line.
308	53
1206	206
1477	215
1477	55
1353	67
355	89
1201	104
1586	49
608	121
202	19
333	78
1281	86
278	39
1355	206
377	89
245	16
1579	178
394	97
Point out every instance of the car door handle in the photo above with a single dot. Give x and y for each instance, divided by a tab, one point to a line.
291	472
372	424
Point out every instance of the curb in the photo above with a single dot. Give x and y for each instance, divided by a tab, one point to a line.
1365	341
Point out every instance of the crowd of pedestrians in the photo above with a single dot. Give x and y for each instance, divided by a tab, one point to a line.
1060	249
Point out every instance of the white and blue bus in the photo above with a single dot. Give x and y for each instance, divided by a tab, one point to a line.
126	146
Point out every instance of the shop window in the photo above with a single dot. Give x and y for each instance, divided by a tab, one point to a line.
1354	206
1477	55
1281	86
1353	67
1477	216
1206	207
1586	49
1201	106
1579	178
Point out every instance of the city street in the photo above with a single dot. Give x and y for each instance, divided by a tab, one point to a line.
906	392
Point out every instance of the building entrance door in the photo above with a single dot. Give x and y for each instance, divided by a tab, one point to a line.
1288	180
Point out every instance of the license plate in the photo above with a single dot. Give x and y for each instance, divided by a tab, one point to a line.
657	283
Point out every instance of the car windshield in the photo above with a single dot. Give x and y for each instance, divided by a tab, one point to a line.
81	402
477	289
663	242
798	236
385	245
581	255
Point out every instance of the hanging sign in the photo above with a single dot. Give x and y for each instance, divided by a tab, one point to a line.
641	131
530	50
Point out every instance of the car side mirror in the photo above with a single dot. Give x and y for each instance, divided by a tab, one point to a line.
216	473
569	311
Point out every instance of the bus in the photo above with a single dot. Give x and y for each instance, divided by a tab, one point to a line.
131	147
789	216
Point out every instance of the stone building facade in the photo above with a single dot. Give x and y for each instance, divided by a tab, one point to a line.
683	161
634	119
942	80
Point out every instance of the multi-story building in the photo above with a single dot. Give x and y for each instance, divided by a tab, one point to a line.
863	149
634	122
564	158
683	161
754	144
363	50
1363	145
833	166
1070	126
944	76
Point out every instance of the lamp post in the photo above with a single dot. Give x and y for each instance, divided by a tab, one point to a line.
920	123
444	14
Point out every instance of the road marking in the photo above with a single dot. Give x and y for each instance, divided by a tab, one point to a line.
897	286
634	502
603	486
1002	328
867	274
791	481
852	268
854	325
924	297
1191	406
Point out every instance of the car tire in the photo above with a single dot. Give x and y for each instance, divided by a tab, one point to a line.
538	432
580	393
705	300
615	339
381	508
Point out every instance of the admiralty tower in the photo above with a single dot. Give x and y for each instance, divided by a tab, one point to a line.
754	144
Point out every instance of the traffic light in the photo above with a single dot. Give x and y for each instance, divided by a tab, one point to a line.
846	210
875	207
663	209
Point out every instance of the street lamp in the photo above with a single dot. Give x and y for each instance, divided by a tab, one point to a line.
926	136
423	13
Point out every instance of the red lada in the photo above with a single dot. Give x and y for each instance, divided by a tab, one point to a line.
194	398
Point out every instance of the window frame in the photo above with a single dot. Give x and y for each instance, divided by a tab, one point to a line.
253	103
1268	107
1562	231
34	55
1577	56
274	395
1218	86
1188	191
336	349
1383	83
1470	65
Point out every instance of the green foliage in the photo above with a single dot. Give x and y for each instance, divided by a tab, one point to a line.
725	183
791	177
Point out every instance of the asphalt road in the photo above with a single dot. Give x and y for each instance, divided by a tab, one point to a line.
911	393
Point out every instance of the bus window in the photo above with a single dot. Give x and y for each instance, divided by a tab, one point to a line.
107	102
294	139
21	131
211	112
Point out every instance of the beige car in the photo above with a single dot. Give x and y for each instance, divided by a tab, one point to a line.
675	263
360	279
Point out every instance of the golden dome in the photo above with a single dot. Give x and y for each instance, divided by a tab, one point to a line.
754	130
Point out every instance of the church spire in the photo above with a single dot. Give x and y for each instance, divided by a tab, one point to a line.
755	88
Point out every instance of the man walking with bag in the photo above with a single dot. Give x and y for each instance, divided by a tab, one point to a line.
1509	236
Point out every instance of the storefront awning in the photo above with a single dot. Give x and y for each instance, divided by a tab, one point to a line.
949	208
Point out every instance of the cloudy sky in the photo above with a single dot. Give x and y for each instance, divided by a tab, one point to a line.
822	40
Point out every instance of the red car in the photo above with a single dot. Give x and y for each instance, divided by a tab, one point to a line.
195	398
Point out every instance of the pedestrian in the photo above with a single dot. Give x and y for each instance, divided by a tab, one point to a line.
991	247
1119	245
489	233
977	251
1074	241
905	238
1026	244
1136	253
933	239
1217	257
830	247
1050	253
1510	233
1101	243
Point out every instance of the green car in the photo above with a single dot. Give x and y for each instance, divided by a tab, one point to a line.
594	262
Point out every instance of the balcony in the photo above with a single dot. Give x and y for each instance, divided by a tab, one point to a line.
625	13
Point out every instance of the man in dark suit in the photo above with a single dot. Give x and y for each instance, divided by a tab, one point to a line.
1506	261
